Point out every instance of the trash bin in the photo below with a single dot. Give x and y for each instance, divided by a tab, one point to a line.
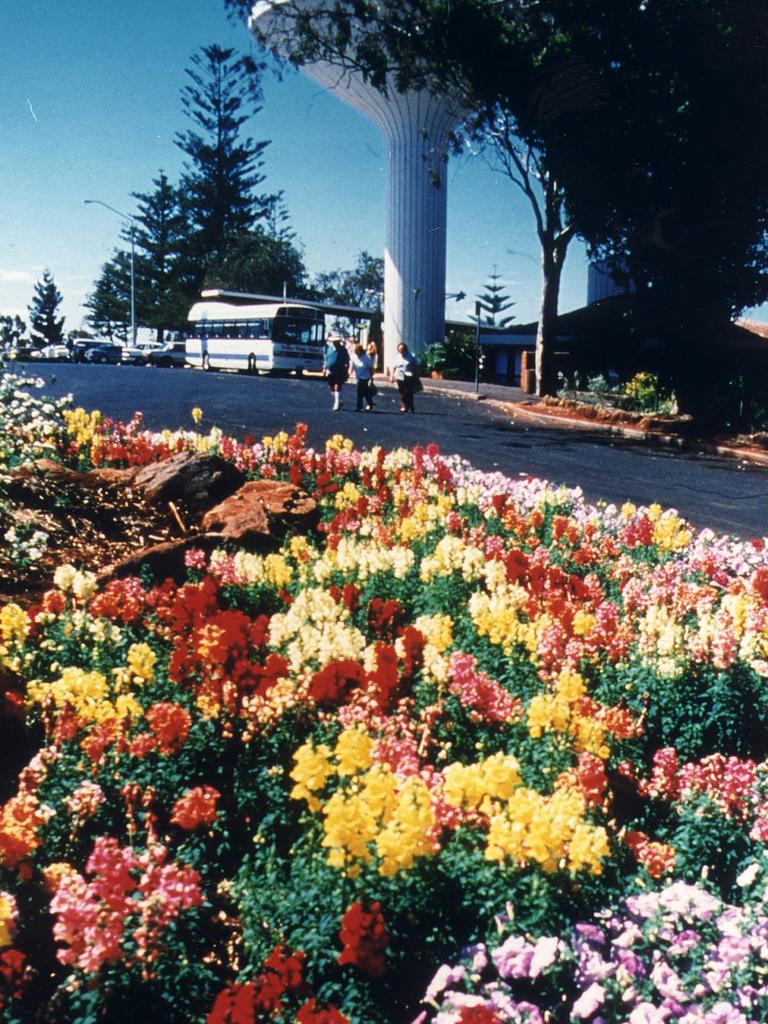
528	381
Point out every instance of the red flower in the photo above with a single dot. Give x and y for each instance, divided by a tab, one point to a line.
385	679
332	684
53	602
100	737
365	938
196	807
239	1003
120	600
386	618
478	1015
312	1013
288	968
13	975
414	644
142	744
234	1005
170	723
657	858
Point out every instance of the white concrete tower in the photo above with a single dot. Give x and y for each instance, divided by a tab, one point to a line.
416	126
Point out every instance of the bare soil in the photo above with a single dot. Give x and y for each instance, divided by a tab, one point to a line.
90	524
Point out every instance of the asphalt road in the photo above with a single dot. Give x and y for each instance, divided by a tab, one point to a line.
729	496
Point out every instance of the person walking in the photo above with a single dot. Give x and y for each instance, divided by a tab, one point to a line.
361	364
336	369
372	351
404	372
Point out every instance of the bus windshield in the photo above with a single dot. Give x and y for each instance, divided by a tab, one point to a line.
296	330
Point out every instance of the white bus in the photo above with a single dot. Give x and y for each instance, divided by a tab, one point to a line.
256	337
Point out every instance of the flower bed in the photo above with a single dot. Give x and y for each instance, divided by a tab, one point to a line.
471	751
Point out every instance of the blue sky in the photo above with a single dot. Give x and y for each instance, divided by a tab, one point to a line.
90	104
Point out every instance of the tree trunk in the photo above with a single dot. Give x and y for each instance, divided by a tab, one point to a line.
697	372
692	327
546	334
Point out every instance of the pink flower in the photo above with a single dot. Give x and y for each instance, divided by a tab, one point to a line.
444	976
544	955
724	1013
514	957
668	983
589	1000
647	1013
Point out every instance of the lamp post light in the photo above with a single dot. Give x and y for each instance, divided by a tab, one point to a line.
132	221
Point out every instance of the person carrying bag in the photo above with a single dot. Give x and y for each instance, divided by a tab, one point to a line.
361	364
405	374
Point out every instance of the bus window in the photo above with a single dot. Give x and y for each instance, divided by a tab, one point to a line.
293	330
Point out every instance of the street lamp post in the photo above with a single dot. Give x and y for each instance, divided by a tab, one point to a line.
132	221
477	348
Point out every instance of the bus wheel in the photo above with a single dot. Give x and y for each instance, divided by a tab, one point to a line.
206	361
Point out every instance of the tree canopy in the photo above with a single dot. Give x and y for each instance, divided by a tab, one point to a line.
44	308
224	165
651	117
160	235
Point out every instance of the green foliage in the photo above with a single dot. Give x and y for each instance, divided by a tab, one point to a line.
646	394
494	301
160	235
43	310
259	263
224	166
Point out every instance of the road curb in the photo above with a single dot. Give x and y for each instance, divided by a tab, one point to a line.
519	412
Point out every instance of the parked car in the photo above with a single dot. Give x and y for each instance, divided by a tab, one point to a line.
104	354
82	345
137	355
58	353
20	353
172	353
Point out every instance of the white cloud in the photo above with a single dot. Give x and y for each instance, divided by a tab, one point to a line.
16	276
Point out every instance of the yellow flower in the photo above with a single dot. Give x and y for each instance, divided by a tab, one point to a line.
547	830
64	576
197	414
670	532
83	585
570	686
312	769
86	692
479	786
353	751
438	630
14	624
8	915
408	833
141	662
339	443
348	496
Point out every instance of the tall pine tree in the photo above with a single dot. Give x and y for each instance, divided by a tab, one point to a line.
43	309
218	187
494	302
159	228
110	301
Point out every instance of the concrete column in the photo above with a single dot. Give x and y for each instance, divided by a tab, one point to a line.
416	126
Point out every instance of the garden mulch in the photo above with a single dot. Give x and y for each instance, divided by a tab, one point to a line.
90	522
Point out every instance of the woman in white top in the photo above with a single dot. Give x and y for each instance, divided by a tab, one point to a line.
404	373
361	364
